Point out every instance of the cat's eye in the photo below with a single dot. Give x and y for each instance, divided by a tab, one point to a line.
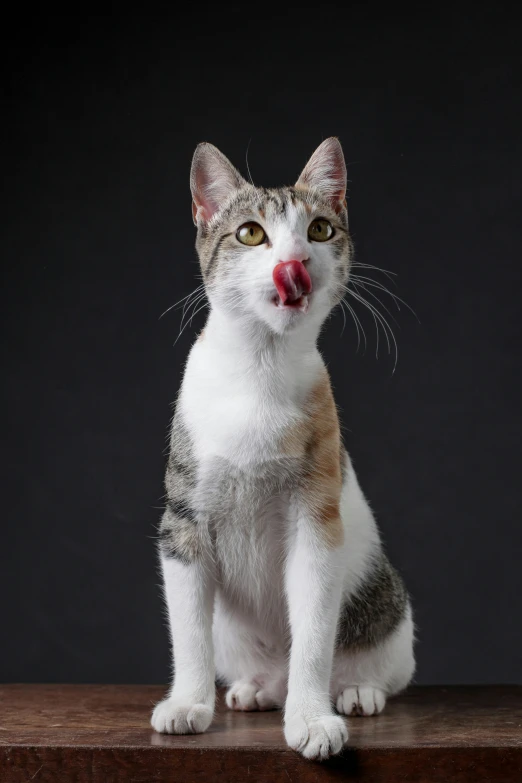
251	234
320	230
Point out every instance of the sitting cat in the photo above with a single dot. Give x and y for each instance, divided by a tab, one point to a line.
275	578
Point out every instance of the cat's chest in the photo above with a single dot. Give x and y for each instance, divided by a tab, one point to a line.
248	516
245	432
238	421
244	497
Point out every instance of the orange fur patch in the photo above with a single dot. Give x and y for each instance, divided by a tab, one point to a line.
317	441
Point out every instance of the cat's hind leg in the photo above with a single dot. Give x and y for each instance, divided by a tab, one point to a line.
253	667
262	691
363	679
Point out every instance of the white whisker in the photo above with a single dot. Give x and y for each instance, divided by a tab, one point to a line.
386	272
188	322
381	287
374	296
344	318
358	325
379	317
178	303
196	294
193	305
356	317
246	159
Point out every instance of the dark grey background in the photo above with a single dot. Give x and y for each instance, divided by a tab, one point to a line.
102	118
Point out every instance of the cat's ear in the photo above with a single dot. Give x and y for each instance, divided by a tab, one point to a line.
326	173
212	179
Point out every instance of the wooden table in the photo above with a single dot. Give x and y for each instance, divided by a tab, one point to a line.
101	733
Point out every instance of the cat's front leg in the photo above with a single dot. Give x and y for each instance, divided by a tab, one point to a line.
313	584
189	592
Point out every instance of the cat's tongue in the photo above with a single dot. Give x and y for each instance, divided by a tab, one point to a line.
292	282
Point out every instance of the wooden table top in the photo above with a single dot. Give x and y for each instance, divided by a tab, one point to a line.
102	733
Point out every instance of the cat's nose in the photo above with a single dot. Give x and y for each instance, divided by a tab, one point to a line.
295	254
297	258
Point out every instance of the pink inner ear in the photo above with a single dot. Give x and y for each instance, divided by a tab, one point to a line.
203	205
212	179
326	172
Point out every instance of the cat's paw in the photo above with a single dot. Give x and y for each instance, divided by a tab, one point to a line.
248	696
362	700
171	716
318	738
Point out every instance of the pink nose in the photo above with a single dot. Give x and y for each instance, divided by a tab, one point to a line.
291	280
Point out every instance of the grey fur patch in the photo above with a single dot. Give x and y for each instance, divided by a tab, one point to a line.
374	610
179	536
215	254
179	533
233	496
181	468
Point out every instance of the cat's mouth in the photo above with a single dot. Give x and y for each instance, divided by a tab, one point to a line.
301	303
293	285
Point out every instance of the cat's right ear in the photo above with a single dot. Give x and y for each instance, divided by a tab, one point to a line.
212	179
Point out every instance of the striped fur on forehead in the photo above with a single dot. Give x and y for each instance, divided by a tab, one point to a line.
216	240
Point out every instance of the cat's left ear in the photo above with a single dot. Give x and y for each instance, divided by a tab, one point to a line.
326	173
212	179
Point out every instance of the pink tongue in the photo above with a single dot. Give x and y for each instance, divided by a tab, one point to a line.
292	281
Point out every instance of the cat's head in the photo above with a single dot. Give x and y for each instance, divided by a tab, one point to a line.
279	256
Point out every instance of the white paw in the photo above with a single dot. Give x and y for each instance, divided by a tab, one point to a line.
171	716
248	696
318	738
361	700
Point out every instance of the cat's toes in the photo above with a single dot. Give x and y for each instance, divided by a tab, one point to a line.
362	700
242	696
172	717
248	696
318	738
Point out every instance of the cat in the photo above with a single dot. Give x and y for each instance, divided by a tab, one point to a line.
275	579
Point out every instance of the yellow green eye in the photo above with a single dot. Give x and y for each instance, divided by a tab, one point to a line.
251	234
320	230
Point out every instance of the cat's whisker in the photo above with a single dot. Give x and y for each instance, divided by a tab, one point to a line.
361	325
387	272
379	318
188	322
356	296
185	299
344	320
376	314
195	312
367	285
194	302
347	306
375	284
358	324
176	304
246	160
190	313
196	294
374	296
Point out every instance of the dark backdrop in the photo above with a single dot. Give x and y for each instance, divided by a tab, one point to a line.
102	118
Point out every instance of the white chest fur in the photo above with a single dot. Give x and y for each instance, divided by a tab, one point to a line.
237	403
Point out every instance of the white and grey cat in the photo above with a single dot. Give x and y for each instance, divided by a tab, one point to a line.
275	579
